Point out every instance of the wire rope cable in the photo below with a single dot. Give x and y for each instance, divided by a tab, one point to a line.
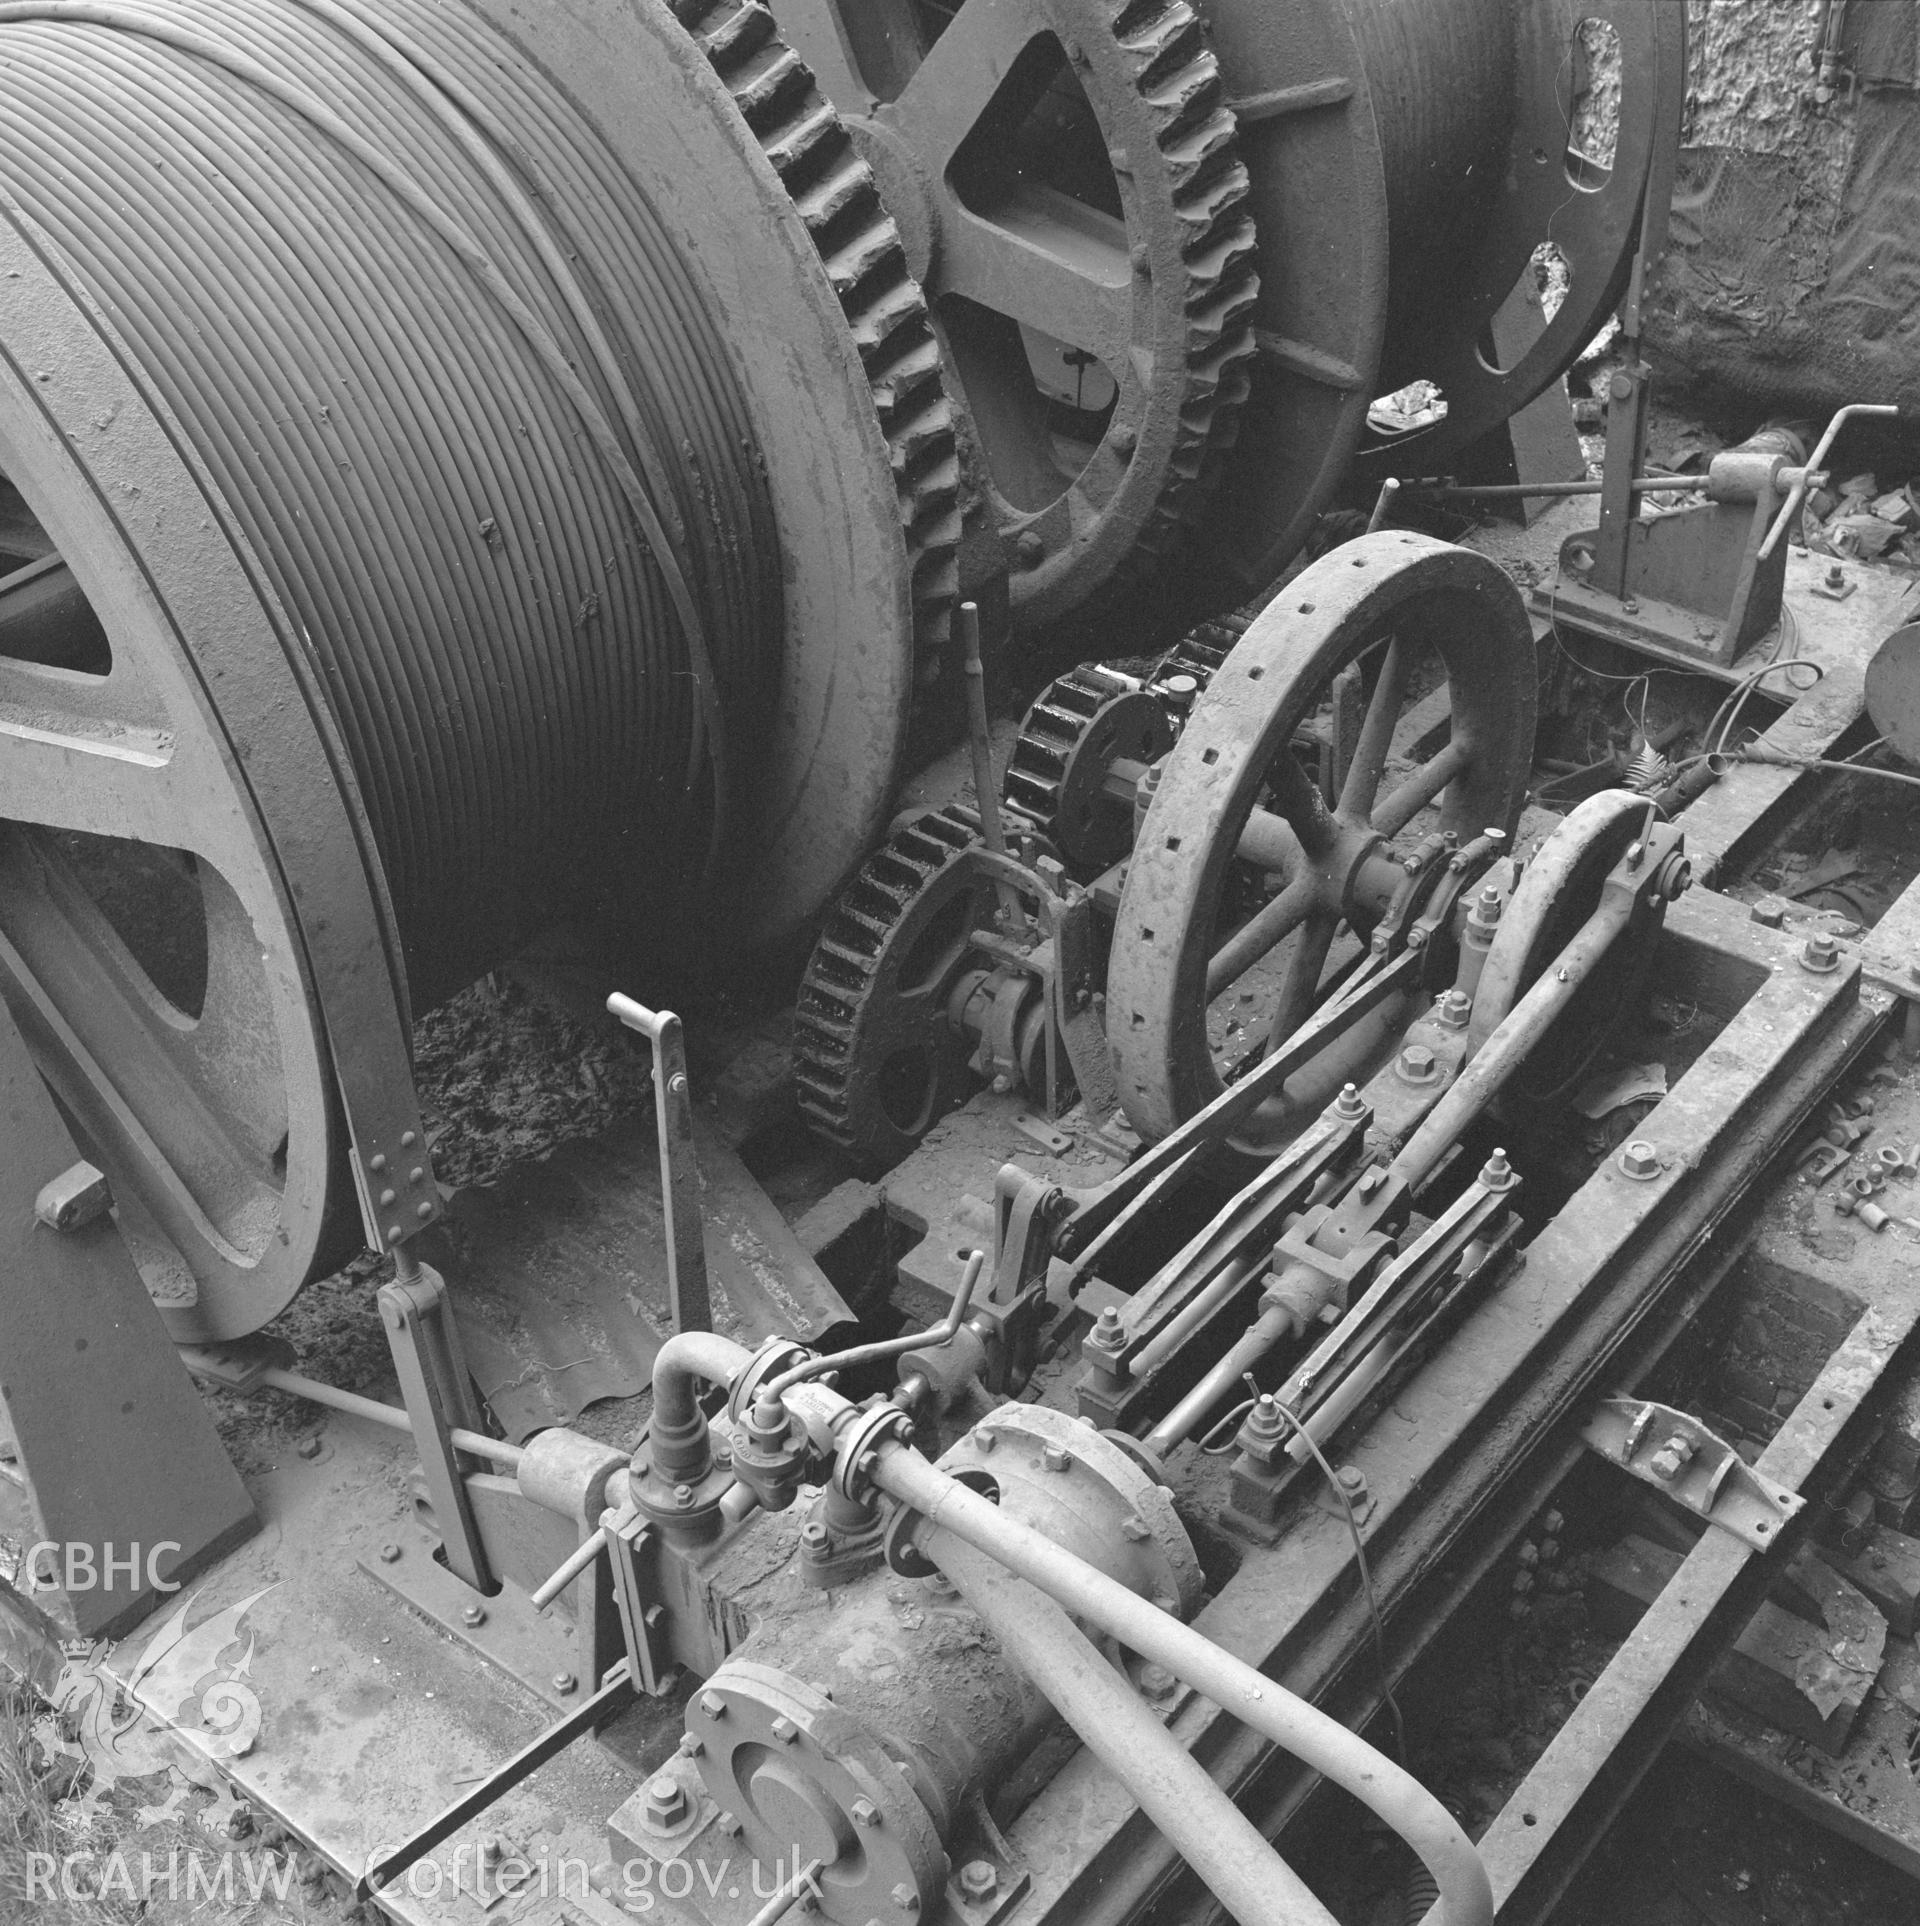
473	414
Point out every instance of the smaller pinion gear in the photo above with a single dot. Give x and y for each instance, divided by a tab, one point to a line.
877	1060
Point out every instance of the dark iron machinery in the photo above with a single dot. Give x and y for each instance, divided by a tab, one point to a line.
555	459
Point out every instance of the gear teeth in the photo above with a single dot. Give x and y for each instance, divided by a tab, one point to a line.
1178	80
1053	730
830	1041
834	195
1200	652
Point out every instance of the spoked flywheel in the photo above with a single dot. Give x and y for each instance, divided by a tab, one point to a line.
1385	697
1067	179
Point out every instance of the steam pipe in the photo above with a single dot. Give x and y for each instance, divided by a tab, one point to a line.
1290	1722
678	1428
1193	1811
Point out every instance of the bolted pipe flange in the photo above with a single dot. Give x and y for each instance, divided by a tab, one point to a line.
803	1775
776	1357
858	1447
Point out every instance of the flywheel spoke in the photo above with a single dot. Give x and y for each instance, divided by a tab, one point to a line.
1376	736
1268	926
1420	788
1300	990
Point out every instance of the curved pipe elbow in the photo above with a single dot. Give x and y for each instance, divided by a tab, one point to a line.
684	1363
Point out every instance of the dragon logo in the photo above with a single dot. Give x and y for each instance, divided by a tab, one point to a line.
180	1709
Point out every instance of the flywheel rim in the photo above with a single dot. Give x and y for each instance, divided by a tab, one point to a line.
1450	601
1162	294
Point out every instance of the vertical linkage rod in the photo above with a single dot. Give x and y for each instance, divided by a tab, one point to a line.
986	790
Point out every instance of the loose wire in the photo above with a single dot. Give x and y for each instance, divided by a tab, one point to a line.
1235	1417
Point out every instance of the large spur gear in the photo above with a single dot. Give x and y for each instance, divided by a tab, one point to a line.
876	1062
834	193
1067	177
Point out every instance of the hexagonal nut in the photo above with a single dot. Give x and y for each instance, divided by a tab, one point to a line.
713	1705
664	1803
979	1879
1056	1457
865	1812
1640	1160
1821	954
1156	1681
785	1730
904	1897
1417	1064
78	1196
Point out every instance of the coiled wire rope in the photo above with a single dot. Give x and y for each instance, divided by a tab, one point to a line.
469	407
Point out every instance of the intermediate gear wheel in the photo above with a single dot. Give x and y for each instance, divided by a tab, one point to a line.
834	193
1068	179
1247	871
876	1060
1080	730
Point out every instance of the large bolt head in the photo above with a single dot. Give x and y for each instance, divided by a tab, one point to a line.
1821	954
664	1804
979	1878
1156	1681
713	1705
1056	1458
785	1731
1640	1160
1418	1064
